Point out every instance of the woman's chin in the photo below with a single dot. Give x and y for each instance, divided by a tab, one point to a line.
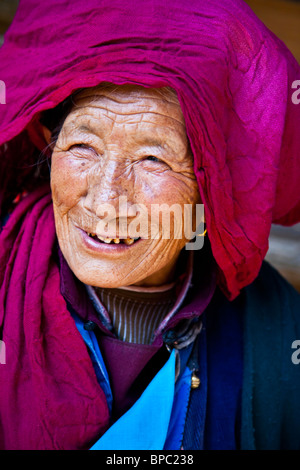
105	280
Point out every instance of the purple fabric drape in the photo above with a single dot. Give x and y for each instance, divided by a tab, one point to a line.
234	81
49	394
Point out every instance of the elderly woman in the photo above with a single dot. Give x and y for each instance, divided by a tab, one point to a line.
122	332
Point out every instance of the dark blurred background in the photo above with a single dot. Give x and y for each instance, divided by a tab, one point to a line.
7	11
283	18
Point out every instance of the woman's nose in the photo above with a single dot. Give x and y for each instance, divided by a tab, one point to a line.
106	185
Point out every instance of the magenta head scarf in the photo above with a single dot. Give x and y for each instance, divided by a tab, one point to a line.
234	83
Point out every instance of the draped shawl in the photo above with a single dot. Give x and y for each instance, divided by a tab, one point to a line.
234	82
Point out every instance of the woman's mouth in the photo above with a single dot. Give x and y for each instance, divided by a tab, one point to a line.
127	241
107	246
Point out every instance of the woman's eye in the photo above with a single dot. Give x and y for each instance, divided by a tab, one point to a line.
162	164
82	149
153	159
79	146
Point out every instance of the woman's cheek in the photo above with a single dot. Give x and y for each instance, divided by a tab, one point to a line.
156	186
169	189
67	181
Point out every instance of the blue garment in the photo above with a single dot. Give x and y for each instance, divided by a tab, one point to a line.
145	425
271	386
187	418
177	420
96	357
224	337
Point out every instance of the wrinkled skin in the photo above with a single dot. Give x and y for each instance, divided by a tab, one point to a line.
102	152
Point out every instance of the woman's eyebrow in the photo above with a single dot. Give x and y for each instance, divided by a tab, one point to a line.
71	129
159	143
145	140
87	129
150	142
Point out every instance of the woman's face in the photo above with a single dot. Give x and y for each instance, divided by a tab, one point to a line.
120	147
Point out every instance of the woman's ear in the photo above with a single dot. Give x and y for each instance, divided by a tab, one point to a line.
46	133
39	134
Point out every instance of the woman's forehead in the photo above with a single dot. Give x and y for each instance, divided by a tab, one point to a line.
130	99
135	108
129	92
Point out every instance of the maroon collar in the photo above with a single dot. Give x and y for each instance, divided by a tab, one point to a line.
195	293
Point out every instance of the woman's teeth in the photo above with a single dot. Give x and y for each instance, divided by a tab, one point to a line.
127	241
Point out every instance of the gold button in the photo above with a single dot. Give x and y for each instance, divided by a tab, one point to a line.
195	381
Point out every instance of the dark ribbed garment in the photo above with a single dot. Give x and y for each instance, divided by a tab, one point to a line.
136	314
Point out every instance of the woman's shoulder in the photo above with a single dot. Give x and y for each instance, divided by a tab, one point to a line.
272	300
273	305
271	411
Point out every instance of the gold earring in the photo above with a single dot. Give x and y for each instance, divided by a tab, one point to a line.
202	234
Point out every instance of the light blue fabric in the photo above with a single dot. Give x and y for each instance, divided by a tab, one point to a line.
156	421
145	425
